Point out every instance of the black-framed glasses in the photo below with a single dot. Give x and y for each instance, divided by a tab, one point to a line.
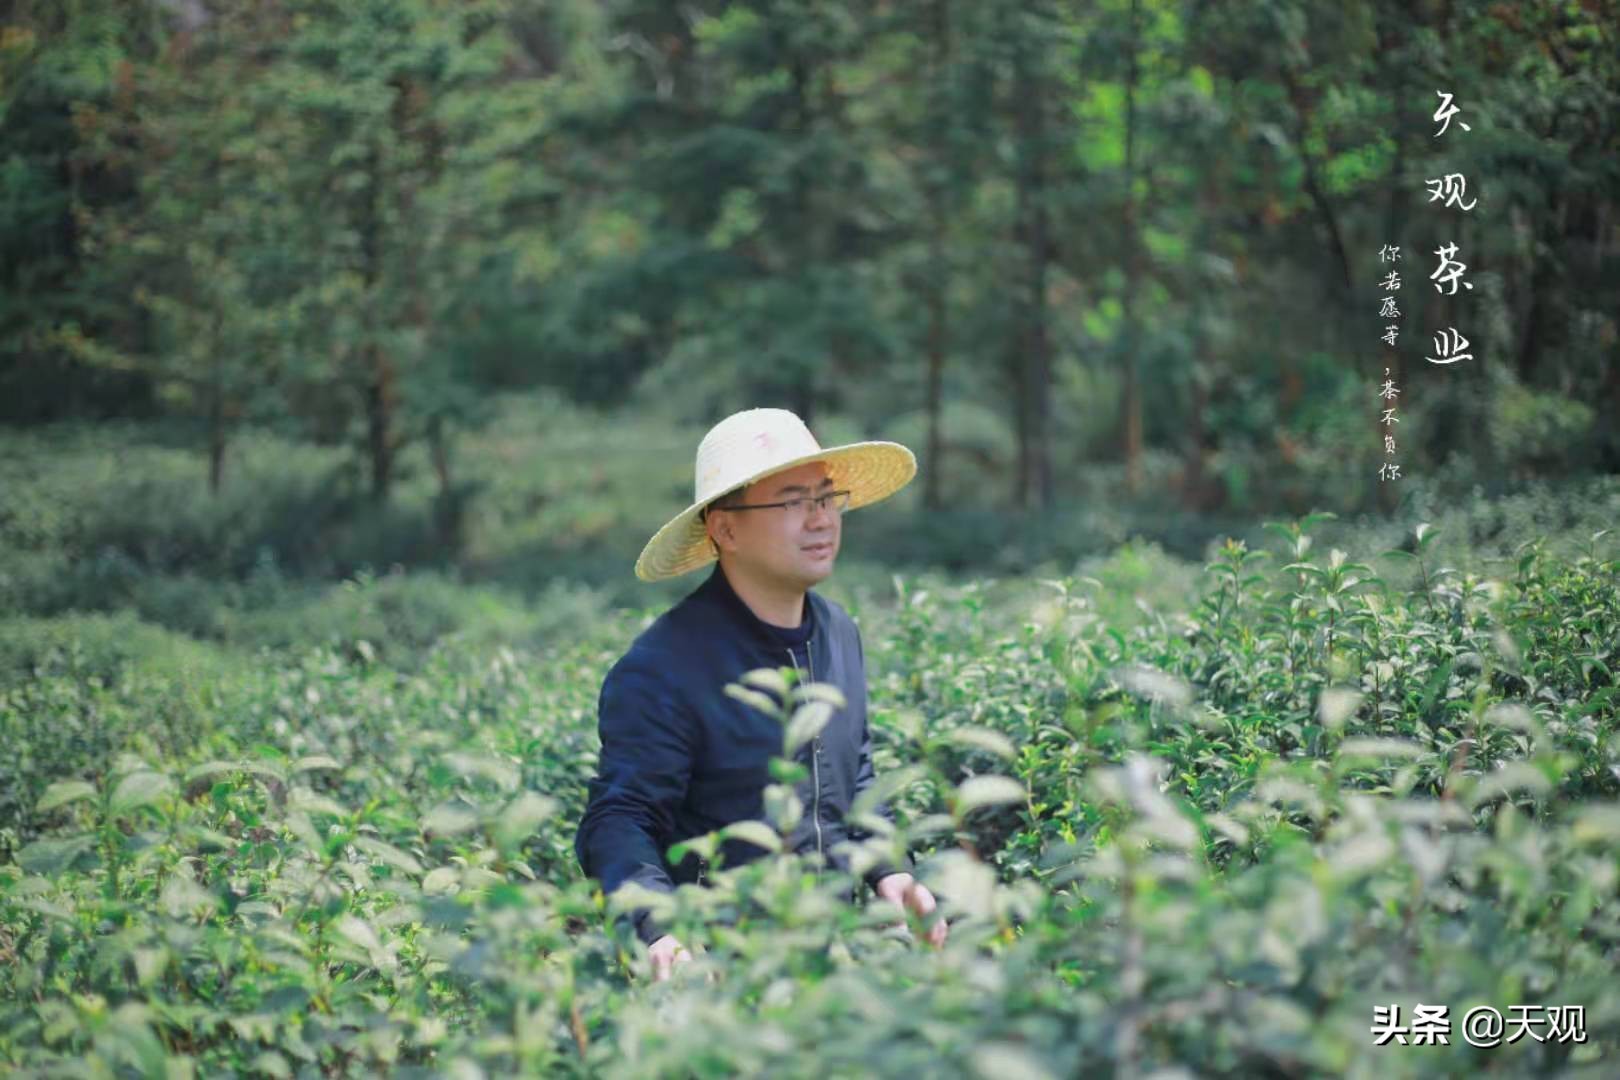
836	501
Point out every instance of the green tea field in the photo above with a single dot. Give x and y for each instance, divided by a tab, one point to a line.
1222	840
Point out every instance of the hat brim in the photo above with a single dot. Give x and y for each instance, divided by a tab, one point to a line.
870	471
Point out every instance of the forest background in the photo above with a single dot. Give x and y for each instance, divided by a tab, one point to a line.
299	291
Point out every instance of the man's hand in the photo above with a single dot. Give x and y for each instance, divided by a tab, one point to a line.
909	894
666	952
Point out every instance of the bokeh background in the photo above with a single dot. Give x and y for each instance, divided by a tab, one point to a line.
386	319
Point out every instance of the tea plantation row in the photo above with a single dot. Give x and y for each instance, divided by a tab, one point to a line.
1216	841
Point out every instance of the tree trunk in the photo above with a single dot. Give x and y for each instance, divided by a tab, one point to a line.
1020	381
216	409
380	391
216	441
1018	339
439	450
447	505
800	76
1038	246
380	403
1531	340
936	369
1196	495
1030	360
1312	179
1609	443
1132	394
804	400
938	274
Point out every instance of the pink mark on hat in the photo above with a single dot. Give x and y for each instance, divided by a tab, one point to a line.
763	440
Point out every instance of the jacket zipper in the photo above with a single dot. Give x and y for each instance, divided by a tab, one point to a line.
815	751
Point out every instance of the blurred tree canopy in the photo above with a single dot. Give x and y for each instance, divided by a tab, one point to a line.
1027	234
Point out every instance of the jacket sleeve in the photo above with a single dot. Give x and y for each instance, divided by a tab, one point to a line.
864	776
645	765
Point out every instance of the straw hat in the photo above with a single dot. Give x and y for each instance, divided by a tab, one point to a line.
755	443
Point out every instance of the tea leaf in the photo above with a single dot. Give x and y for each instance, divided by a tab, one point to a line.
63	792
137	790
978	791
449	819
52	857
754	832
770	680
809	720
763	703
388	853
521	817
986	739
358	931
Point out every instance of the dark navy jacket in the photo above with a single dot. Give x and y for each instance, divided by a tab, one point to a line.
681	758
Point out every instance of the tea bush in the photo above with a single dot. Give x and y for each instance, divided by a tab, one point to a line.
1212	840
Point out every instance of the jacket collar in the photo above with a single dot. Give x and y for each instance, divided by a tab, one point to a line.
718	590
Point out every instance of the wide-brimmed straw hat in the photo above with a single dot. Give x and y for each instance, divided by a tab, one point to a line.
753	444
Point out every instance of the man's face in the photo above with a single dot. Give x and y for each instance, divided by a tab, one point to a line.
790	546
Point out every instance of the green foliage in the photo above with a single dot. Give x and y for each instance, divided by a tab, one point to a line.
1213	838
97	647
994	224
61	64
292	552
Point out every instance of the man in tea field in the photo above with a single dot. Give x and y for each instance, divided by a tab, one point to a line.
680	757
